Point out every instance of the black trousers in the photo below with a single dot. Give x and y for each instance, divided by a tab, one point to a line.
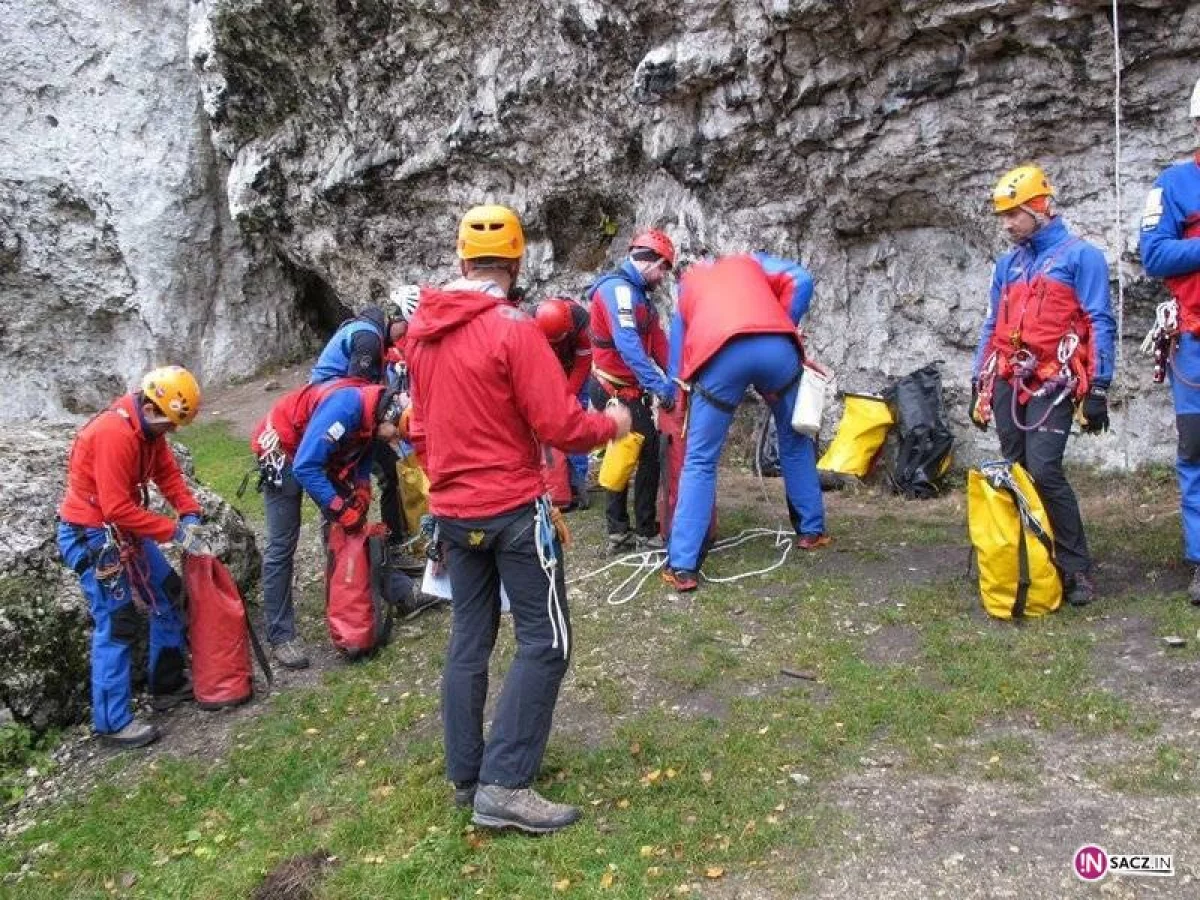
1041	453
645	480
389	491
480	554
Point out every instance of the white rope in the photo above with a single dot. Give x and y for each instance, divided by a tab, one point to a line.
645	563
1120	236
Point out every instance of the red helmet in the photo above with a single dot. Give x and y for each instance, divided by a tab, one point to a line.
554	318
653	239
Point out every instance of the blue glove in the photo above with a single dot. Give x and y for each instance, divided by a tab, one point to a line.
190	519
192	539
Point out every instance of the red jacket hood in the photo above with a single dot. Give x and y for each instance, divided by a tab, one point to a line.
443	310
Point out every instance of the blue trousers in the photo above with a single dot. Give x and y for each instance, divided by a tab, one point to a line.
579	461
117	621
1187	423
480	554
281	507
768	362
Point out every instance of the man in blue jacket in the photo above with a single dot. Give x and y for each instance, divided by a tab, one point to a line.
629	350
320	438
359	349
736	327
1047	346
1170	249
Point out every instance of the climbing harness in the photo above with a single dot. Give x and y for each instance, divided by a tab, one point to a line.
1060	386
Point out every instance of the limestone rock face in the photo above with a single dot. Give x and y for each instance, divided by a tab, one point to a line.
44	624
863	137
116	247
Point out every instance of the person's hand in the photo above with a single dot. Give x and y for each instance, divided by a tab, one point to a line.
619	414
1095	410
192	538
973	411
350	514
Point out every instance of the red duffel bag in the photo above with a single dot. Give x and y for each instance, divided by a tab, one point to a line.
219	634
672	450
358	616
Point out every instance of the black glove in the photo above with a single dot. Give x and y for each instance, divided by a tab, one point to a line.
981	424
1095	410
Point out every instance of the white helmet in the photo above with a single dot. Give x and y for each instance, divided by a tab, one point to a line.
1195	110
405	298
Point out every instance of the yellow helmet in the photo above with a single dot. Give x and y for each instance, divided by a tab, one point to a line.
1018	187
173	389
490	231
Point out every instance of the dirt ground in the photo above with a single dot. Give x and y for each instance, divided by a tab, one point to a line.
952	834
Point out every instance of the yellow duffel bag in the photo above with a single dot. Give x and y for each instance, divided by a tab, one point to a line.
860	436
1014	545
414	492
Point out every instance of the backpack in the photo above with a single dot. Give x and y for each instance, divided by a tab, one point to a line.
860	436
923	452
360	590
219	634
1013	543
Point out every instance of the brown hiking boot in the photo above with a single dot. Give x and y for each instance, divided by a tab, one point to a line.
290	654
521	808
813	541
1081	590
136	734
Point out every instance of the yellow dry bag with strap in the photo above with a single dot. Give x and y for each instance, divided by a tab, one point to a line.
860	436
414	491
1013	543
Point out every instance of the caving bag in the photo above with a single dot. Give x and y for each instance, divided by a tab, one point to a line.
556	472
361	590
1013	543
861	433
923	452
672	450
220	635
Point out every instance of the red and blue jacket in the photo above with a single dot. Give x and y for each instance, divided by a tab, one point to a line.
1170	238
1047	287
753	293
628	343
112	460
334	452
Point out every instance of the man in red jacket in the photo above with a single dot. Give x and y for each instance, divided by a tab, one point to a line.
486	391
110	539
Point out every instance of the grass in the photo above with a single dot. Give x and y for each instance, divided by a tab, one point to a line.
678	736
222	461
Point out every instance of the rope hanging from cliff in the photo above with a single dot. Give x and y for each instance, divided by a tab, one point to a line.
1120	236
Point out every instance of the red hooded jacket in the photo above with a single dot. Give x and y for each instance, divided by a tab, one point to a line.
110	461
487	390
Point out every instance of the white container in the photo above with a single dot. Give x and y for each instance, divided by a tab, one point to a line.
810	399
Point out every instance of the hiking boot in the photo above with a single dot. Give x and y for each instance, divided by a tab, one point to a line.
464	794
1194	588
622	542
521	808
290	654
813	541
404	561
136	734
166	700
681	579
1081	590
417	603
653	542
